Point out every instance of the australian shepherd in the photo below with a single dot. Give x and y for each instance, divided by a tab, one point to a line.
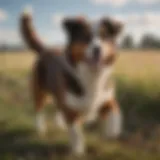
78	77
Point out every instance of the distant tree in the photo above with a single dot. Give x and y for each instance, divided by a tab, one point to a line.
127	42
3	46
8	47
149	41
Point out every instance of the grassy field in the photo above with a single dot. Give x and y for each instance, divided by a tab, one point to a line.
137	74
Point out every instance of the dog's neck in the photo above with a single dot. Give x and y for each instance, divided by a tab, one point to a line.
73	55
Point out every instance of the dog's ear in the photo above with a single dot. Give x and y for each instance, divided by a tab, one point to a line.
72	24
112	27
78	29
118	27
69	24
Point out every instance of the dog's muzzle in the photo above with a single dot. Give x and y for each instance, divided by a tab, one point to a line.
96	52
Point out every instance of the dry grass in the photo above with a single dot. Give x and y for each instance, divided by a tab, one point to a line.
138	91
131	63
12	61
138	64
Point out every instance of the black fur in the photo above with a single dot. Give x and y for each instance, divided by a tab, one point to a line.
55	72
77	30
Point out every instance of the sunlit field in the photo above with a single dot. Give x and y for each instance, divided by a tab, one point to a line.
132	63
137	75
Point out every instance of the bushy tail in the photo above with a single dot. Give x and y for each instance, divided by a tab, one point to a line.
29	34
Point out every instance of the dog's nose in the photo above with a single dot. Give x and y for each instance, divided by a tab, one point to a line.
96	52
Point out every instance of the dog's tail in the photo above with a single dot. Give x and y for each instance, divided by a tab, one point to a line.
28	32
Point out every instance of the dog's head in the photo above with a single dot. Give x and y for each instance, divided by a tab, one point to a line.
93	44
102	49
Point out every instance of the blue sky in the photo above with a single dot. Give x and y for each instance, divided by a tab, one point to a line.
139	16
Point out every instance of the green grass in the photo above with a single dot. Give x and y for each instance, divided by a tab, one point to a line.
140	104
138	92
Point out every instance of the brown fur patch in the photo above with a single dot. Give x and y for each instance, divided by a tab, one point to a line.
76	52
107	107
71	115
110	59
110	50
39	94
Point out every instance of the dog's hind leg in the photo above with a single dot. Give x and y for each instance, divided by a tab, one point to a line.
60	120
111	119
39	98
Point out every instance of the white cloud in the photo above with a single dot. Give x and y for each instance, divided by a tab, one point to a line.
57	19
148	1
58	33
135	19
110	2
9	36
119	3
3	15
146	19
152	18
53	37
137	24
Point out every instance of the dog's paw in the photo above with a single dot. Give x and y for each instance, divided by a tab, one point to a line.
112	125
41	124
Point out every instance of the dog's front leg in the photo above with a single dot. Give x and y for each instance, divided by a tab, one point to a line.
76	137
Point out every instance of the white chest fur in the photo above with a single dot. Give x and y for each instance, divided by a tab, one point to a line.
95	93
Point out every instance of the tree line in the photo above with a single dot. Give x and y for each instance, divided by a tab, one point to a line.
148	41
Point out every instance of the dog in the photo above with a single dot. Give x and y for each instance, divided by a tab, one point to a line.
91	54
